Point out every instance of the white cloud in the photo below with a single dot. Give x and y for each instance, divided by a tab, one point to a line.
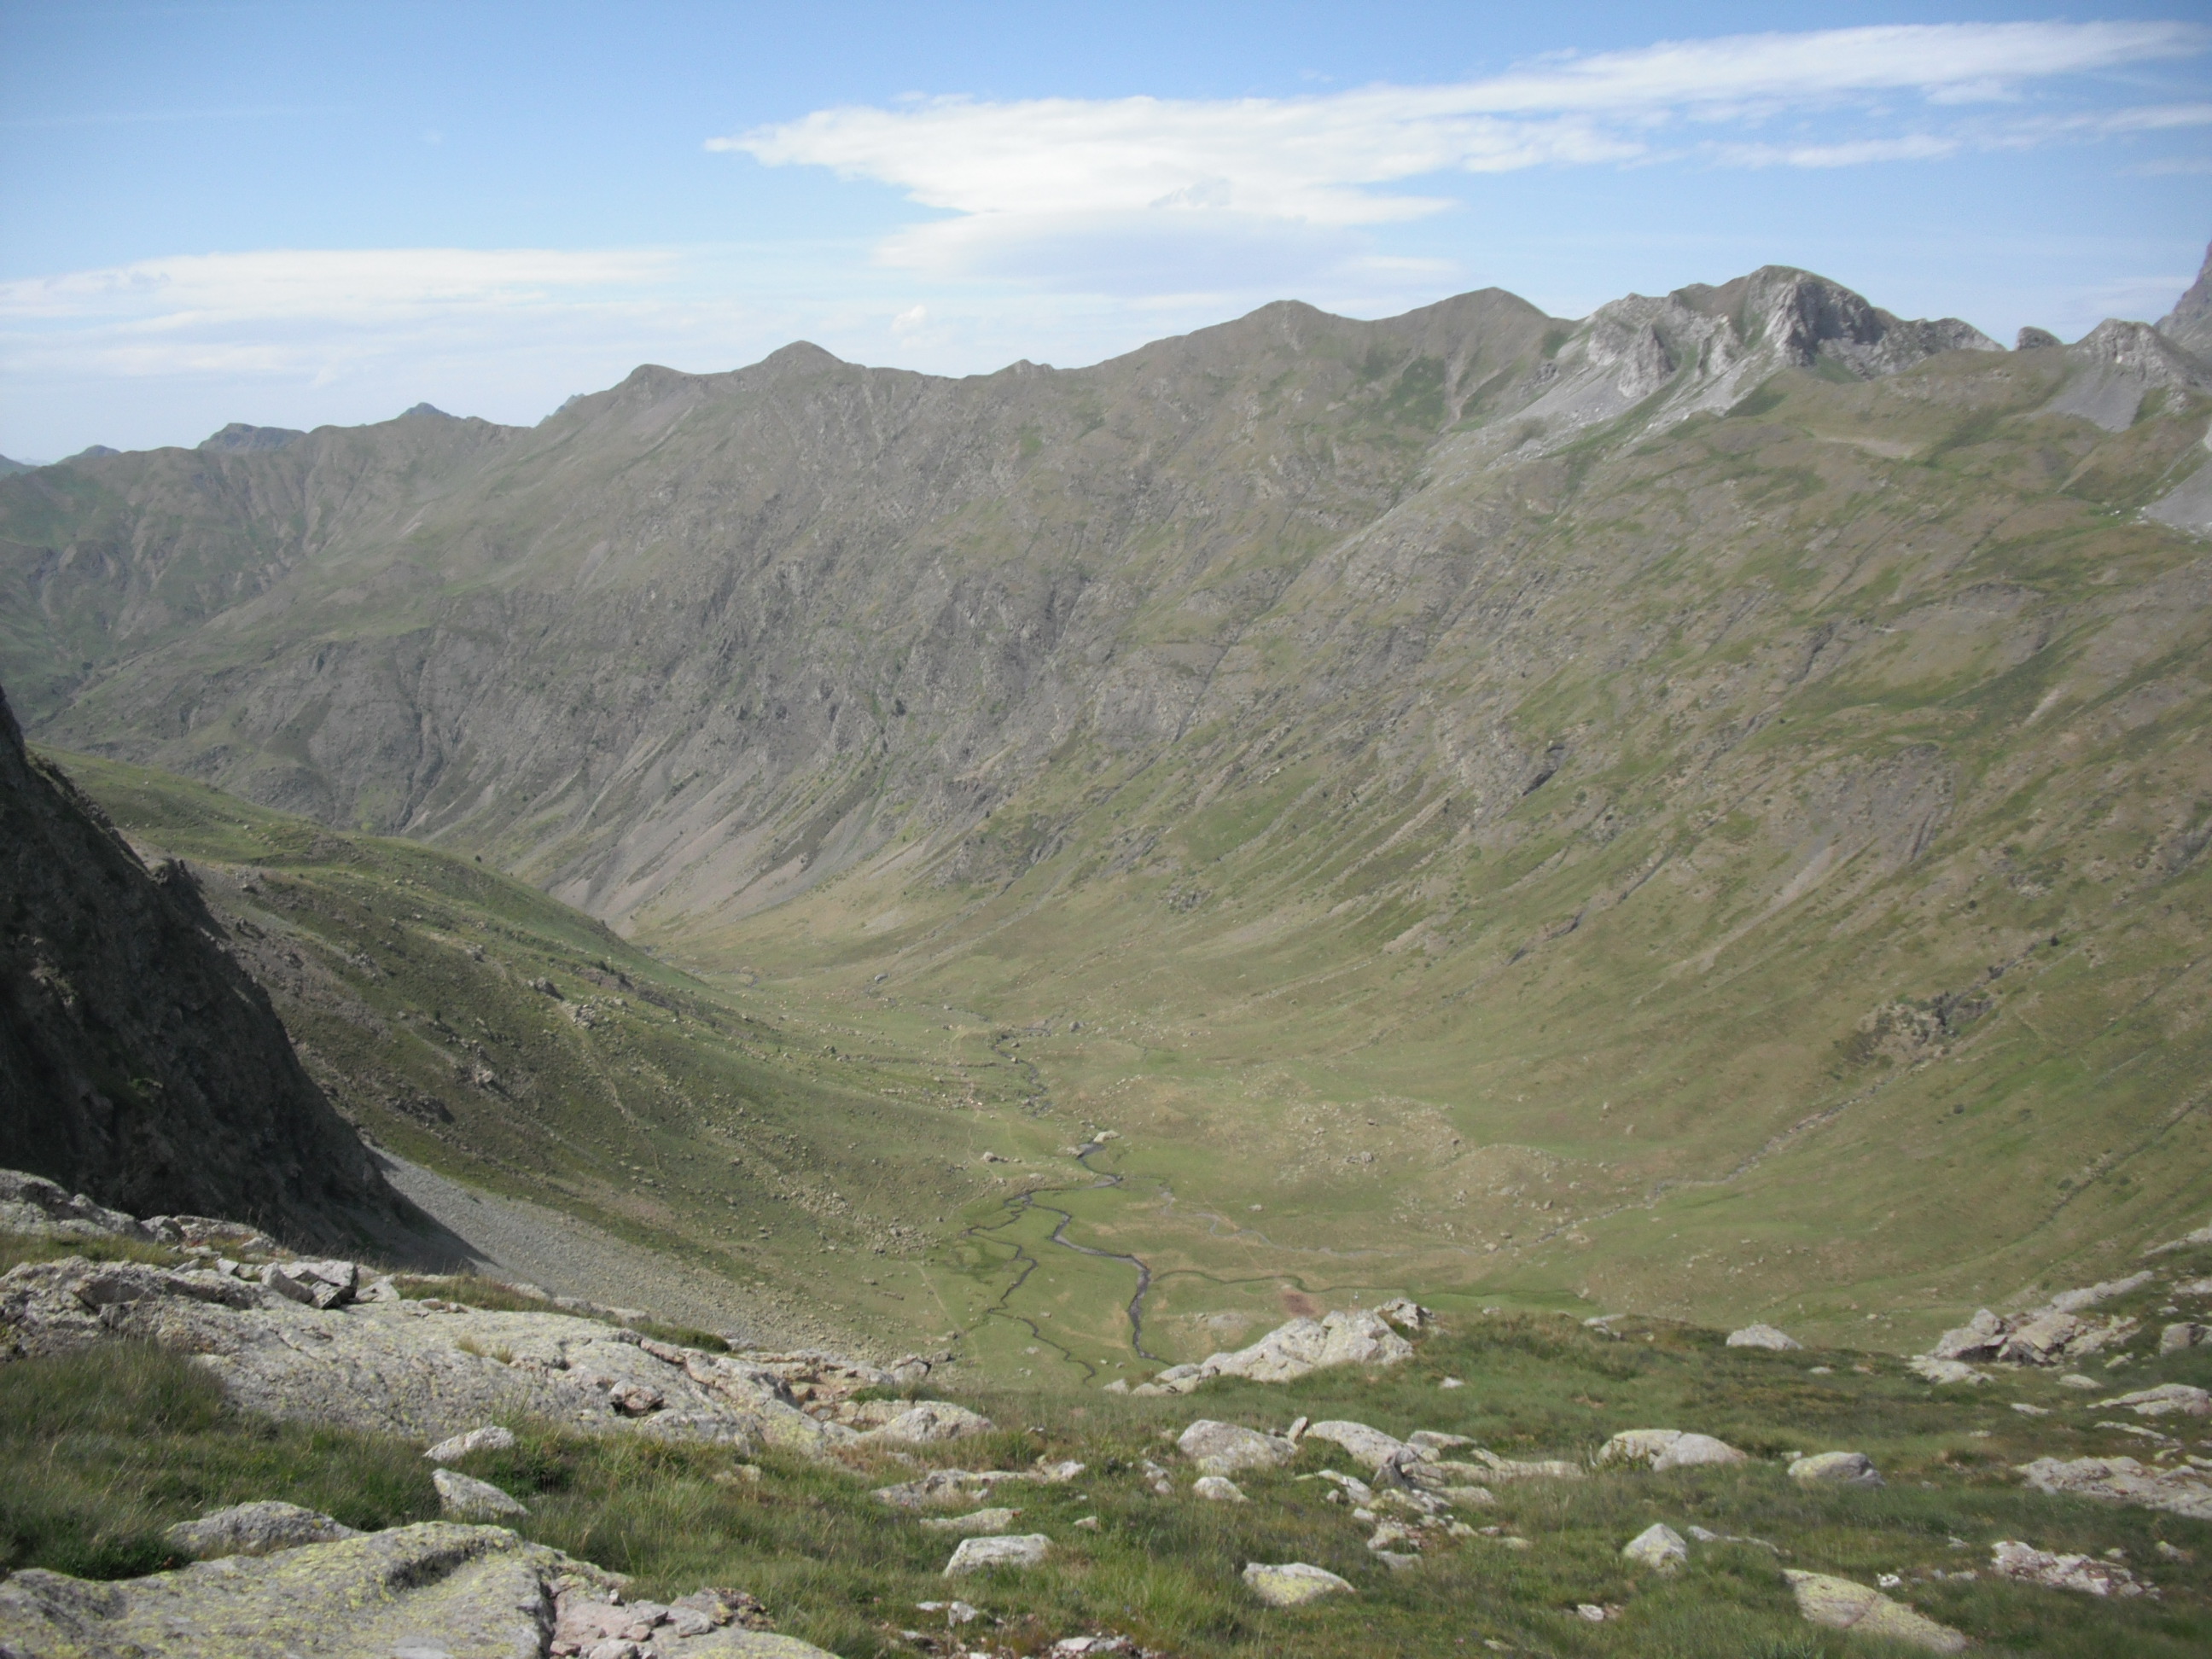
1051	184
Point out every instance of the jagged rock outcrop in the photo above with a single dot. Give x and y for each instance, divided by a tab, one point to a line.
2117	365
1291	1351
436	1587
2189	325
432	1369
138	1063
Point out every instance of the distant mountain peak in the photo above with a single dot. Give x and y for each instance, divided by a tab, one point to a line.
238	438
425	408
2189	325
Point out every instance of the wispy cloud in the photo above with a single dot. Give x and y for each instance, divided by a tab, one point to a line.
1025	182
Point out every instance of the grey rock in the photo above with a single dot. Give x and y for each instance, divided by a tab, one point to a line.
1660	1449
983	1520
1407	1314
317	1283
492	1437
1836	1469
259	1528
1299	1348
2183	1490
981	1554
463	1497
2165	1399
946	1488
1945	1370
2034	339
483	1591
2189	325
1370	1447
1228	1447
2027	1565
2176	1338
1762	1336
1218	1488
930	1423
1292	1583
1658	1547
1841	1604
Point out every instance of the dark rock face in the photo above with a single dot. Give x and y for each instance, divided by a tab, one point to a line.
138	1063
2189	325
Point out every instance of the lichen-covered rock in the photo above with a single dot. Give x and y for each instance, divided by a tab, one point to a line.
470	1592
1292	1583
2010	1559
1839	1604
1836	1469
1218	1489
252	1530
463	1497
930	1422
2183	1491
2165	1399
1369	1446
1228	1447
1659	1450
980	1554
1763	1336
1658	1547
1289	1352
491	1437
421	1369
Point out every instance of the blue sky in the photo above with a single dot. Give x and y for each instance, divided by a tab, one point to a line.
297	213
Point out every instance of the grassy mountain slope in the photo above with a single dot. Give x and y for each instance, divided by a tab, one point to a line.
1701	810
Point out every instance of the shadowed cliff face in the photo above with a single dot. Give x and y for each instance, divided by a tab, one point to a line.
138	1063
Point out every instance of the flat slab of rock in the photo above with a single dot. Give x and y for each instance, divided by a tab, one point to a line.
2166	1399
1228	1447
1836	1469
1840	1604
463	1497
1292	1583
1369	1446
471	1592
929	1423
253	1529
1016	1550
408	1367
2010	1559
993	1520
1763	1336
2184	1491
1658	1547
1659	1450
494	1437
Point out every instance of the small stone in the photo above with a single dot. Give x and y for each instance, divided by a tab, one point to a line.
492	1437
260	1529
1762	1336
1658	1547
2187	1335
1451	1382
1218	1489
1836	1469
1119	1385
1292	1583
462	1497
2075	1380
1840	1604
1938	1370
981	1554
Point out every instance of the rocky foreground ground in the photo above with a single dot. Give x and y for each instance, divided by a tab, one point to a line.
1422	1498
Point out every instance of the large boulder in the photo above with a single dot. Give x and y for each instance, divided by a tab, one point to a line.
1763	1336
419	1370
1289	1352
463	1497
1292	1583
1836	1469
1659	1450
476	1589
980	1554
1228	1447
1369	1446
929	1423
1840	1604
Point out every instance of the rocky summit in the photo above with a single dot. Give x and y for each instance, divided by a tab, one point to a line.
1468	981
